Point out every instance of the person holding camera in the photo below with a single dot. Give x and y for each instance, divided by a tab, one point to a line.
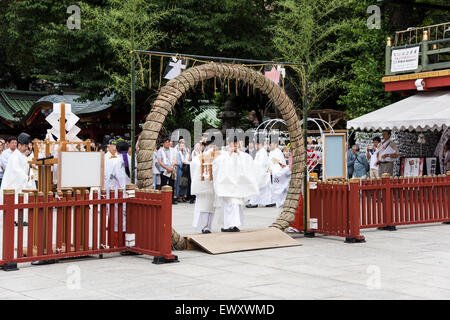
371	154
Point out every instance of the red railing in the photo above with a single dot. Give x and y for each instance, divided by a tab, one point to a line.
72	225
342	208
401	201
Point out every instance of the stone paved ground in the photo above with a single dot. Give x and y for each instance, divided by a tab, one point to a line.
411	263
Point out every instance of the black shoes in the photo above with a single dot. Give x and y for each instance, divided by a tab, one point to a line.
251	206
233	229
271	205
206	230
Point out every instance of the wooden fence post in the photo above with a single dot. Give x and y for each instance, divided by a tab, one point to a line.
354	217
387	203
8	230
165	228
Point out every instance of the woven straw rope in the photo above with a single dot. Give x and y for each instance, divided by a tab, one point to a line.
177	87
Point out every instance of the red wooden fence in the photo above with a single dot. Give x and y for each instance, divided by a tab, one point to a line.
71	225
342	209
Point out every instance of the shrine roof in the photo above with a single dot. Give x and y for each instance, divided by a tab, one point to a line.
18	105
15	104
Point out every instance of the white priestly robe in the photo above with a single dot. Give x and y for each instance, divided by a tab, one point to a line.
276	156
234	181
16	173
16	176
261	161
204	195
280	185
116	179
280	176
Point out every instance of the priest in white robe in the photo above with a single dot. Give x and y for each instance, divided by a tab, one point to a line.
203	188
16	175
234	182
280	173
280	184
261	163
116	178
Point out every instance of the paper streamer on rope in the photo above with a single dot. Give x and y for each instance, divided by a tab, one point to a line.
160	72
282	70
273	74
141	69
173	69
150	71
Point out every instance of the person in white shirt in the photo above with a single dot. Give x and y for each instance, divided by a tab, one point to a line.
387	154
12	143
371	154
16	175
156	170
167	160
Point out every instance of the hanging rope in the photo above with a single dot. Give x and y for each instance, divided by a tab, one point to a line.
150	71
237	87
160	72
215	86
141	69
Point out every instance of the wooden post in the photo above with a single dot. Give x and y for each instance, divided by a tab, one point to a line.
354	212
62	123
8	225
165	228
387	203
424	49
388	56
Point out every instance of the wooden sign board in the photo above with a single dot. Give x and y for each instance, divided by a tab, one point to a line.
334	156
80	169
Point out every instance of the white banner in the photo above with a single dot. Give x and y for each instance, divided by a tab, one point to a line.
412	167
405	59
431	166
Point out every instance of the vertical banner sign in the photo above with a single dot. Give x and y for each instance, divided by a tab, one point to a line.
431	166
405	59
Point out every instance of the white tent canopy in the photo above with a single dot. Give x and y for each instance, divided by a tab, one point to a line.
421	112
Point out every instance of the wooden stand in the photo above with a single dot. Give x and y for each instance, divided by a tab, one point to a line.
45	178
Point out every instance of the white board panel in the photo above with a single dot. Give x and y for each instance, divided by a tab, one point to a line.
80	169
334	156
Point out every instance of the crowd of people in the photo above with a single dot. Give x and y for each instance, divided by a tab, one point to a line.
378	159
226	179
15	172
215	178
172	165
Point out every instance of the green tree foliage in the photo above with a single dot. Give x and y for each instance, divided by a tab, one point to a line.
345	58
363	90
128	25
307	31
227	28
